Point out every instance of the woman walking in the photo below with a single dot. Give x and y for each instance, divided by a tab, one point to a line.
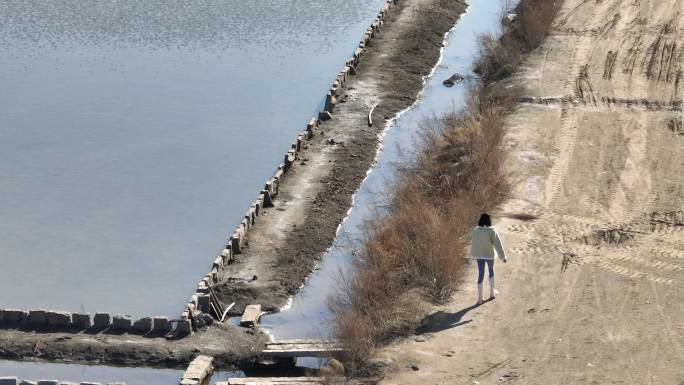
485	242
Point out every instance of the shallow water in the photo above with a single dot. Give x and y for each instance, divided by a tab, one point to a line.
134	135
308	315
76	373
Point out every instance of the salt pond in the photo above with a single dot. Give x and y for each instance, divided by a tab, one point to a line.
134	134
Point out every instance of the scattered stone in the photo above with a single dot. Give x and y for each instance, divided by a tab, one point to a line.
414	367
208	319
453	80
419	339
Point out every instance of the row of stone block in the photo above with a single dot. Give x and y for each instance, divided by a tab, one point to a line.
40	318
16	381
350	66
200	301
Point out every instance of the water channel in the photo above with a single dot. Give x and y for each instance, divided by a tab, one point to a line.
307	315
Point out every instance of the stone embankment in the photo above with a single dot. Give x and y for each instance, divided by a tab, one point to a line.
204	300
41	320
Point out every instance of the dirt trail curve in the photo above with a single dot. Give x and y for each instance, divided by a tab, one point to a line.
593	292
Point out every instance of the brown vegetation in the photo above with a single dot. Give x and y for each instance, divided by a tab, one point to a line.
415	254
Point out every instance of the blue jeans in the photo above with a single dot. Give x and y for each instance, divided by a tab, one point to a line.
481	269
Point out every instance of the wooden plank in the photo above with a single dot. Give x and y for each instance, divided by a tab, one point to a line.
301	349
283	381
251	316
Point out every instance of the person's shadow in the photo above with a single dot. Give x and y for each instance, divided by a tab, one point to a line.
440	320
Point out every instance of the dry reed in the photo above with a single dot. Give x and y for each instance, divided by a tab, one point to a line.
415	254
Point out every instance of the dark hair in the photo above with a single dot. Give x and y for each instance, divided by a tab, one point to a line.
485	220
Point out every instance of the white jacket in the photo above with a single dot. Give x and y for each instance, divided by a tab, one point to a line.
485	241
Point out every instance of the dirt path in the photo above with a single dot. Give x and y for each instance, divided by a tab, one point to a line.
316	194
593	290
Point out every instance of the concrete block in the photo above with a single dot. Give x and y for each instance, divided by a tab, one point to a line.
37	317
8	380
60	319
122	322
14	316
143	325
187	381
266	196
90	383
202	288
67	383
324	115
102	320
2	316
204	303
250	215
278	175
183	327
218	263
25	382
48	382
81	320
311	126
258	206
227	254
251	316
330	102
236	242
246	224
161	324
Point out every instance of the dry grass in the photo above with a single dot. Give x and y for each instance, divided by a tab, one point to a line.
501	55
415	254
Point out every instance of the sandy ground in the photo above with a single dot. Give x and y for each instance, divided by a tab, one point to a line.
316	194
593	290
